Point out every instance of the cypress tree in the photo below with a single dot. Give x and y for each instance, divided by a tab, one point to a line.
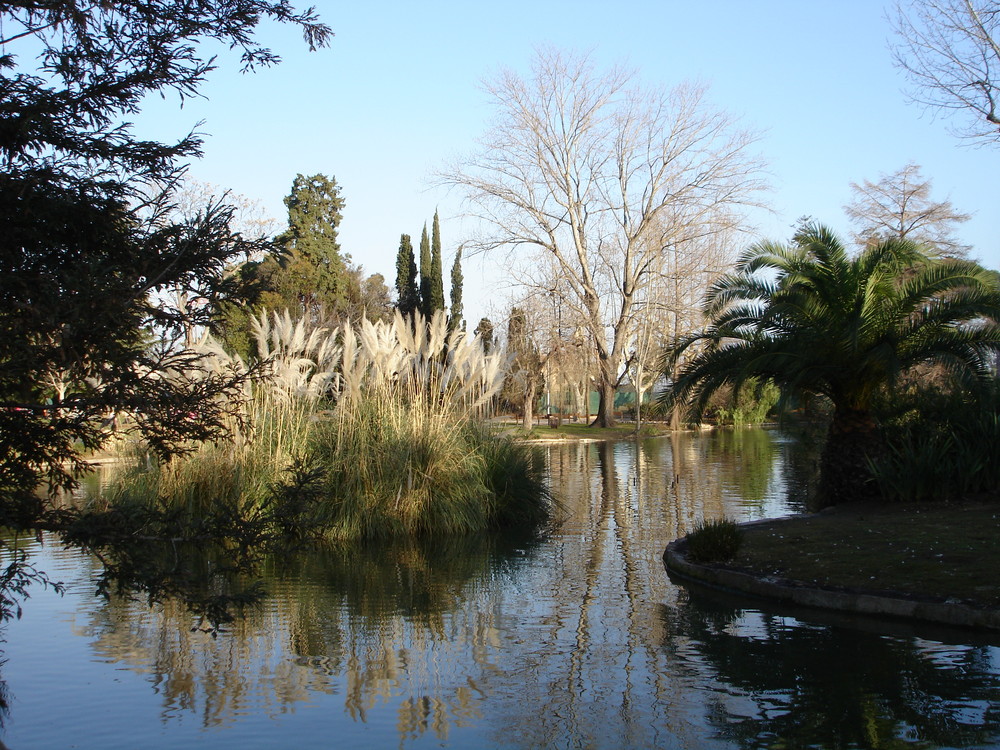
437	268
455	319
425	275
408	296
312	274
485	332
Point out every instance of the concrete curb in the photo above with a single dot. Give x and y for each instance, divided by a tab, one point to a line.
859	602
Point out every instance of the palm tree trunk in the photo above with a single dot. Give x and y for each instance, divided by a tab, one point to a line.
853	440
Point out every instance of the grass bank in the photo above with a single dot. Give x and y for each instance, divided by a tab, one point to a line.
369	431
947	551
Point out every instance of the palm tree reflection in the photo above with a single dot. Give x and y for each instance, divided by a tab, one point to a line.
782	683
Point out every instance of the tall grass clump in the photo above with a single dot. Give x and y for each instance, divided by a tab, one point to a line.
392	416
269	426
714	541
406	447
940	445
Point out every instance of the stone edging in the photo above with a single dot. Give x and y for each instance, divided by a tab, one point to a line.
860	602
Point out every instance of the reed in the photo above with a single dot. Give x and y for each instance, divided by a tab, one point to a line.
297	367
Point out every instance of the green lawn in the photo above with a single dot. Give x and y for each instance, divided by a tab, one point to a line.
948	551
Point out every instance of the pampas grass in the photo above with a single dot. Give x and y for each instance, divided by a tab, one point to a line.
392	413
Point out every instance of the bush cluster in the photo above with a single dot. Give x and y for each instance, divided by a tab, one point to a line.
941	444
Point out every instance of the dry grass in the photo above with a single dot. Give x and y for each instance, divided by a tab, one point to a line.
948	551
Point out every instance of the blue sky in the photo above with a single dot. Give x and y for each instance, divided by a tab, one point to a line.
397	94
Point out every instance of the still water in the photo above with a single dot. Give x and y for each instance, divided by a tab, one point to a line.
576	640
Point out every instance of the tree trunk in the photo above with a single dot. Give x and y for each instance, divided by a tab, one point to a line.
853	440
638	399
606	405
528	411
607	382
528	405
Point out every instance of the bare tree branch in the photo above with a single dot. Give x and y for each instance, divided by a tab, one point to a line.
899	206
950	52
608	180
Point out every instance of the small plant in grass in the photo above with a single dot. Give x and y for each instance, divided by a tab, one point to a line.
714	541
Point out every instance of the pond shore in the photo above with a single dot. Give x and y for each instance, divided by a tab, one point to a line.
933	563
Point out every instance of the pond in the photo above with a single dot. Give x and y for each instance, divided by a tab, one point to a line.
578	639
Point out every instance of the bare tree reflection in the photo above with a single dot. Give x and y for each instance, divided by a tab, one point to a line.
575	640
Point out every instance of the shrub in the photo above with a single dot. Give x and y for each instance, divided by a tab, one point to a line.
714	541
753	404
940	445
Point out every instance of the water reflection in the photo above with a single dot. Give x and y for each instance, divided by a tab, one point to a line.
574	639
387	625
781	683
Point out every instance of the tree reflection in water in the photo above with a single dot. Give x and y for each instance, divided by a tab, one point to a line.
574	639
783	683
371	624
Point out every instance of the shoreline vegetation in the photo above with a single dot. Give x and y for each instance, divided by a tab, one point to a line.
360	432
929	551
355	435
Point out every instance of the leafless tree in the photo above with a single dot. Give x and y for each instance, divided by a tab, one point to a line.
899	206
525	376
950	51
250	218
184	199
605	179
670	307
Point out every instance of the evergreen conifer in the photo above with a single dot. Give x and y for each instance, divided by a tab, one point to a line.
407	293
426	295
437	268
455	321
313	274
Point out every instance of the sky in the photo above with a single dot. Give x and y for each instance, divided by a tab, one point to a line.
398	94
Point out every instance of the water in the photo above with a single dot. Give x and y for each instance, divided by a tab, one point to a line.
576	640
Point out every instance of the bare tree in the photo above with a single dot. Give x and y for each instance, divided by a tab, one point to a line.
605	179
188	197
950	51
899	206
678	291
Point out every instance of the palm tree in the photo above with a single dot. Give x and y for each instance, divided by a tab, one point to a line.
813	320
